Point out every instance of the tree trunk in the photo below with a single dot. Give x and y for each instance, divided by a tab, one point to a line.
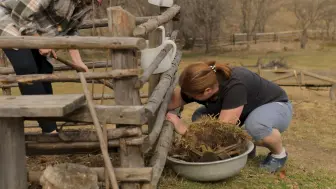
304	39
189	41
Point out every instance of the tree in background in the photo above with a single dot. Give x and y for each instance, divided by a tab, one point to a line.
310	12
256	13
203	18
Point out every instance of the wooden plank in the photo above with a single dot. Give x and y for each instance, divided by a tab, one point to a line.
123	174
40	105
67	77
73	42
160	118
57	67
82	135
34	148
12	150
87	24
122	23
155	39
125	115
152	24
159	157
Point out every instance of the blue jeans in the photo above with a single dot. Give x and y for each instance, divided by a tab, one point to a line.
261	121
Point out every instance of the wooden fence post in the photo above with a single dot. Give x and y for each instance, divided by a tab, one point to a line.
122	23
13	172
154	41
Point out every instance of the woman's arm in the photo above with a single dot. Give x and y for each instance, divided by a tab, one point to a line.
77	60
231	116
176	100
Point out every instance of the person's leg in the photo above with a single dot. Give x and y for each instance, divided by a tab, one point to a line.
23	62
44	67
265	124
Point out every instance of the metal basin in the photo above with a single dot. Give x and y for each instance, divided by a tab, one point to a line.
210	171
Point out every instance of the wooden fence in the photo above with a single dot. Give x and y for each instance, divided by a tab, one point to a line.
243	38
129	114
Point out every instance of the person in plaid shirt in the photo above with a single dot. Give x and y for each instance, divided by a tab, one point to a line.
41	18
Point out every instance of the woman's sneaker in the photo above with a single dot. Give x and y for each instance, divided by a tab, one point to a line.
273	164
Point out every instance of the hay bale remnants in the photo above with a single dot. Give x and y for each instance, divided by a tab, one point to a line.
209	139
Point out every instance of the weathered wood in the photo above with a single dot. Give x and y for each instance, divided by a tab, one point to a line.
107	83
332	92
152	24
134	115
87	24
73	42
122	23
160	90
154	65
155	40
122	174
12	150
99	131
79	69
158	160
34	148
57	67
107	96
67	77
82	135
283	77
40	105
66	124
154	134
320	77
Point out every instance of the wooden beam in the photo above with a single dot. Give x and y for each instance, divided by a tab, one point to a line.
67	77
82	135
151	139
12	150
155	40
40	105
57	67
327	79
122	23
160	90
283	77
159	157
73	42
122	174
87	24
34	148
152	24
124	115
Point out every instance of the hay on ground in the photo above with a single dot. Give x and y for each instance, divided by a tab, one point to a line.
209	139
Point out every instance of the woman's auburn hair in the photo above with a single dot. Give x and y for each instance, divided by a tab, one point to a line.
197	77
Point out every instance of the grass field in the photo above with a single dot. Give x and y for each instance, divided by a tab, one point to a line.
310	139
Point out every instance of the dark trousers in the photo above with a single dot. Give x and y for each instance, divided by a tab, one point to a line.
30	61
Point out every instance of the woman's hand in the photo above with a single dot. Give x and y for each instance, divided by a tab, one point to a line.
48	52
180	127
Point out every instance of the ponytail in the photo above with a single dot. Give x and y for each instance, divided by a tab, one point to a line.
196	77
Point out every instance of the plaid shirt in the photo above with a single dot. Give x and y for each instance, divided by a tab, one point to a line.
45	17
